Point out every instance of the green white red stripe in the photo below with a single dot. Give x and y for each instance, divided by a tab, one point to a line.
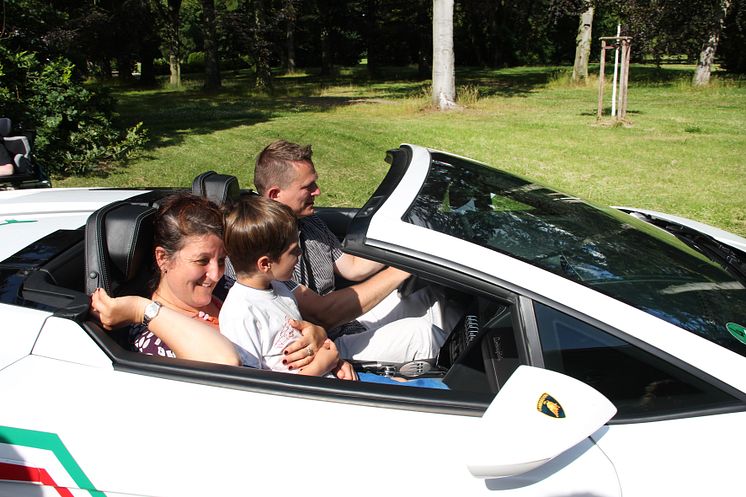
37	457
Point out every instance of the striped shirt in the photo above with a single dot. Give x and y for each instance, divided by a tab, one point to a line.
321	249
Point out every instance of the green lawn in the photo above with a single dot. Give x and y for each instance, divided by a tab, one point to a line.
683	152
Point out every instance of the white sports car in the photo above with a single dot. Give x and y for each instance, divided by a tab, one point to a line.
601	352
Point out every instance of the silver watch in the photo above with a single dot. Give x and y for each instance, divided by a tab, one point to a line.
151	311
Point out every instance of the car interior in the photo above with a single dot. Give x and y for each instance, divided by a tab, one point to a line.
27	174
114	251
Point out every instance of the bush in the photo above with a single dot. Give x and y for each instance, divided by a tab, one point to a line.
73	123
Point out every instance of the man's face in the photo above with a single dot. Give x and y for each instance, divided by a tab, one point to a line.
300	194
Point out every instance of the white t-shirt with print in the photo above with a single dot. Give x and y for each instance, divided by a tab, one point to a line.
257	322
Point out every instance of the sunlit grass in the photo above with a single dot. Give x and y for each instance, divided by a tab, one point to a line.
682	151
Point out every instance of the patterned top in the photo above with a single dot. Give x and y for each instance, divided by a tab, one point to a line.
321	249
146	342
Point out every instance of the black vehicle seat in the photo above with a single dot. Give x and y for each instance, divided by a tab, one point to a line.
119	249
219	188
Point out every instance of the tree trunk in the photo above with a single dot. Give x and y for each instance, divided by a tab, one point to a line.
583	46
707	55
425	48
212	68
444	65
291	15
371	37
175	66
174	30
261	46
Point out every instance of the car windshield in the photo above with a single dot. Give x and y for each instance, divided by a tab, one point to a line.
605	249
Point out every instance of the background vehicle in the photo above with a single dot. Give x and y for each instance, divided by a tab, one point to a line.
556	310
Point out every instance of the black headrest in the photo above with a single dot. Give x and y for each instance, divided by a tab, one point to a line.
119	249
219	188
5	126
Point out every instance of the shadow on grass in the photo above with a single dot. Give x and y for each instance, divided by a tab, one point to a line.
172	115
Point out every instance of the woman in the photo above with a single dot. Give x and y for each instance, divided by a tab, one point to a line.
189	259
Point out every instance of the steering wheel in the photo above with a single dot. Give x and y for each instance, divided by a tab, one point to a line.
408	286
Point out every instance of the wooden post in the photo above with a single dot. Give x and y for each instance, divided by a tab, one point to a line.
626	50
601	80
625	43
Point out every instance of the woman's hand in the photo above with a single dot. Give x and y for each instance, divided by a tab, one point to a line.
117	311
325	360
301	352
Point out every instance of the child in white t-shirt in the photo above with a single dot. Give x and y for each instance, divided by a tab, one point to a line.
259	313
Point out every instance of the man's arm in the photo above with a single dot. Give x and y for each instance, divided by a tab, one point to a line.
355	268
342	306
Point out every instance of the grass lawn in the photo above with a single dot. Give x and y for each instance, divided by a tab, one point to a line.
683	151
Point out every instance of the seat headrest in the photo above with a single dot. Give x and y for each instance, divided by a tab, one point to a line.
119	249
219	188
5	126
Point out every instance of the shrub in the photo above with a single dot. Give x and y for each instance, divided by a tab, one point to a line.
74	125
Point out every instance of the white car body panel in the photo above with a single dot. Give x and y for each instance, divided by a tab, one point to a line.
65	340
21	327
696	456
202	440
387	230
27	215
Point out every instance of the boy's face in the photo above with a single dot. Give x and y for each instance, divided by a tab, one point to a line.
282	268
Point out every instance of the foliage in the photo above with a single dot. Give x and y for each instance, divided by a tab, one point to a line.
73	124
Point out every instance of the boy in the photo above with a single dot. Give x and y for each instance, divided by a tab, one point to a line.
261	237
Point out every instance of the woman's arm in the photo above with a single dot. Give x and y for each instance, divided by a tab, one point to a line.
188	338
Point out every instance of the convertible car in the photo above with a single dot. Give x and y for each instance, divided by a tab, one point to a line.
600	352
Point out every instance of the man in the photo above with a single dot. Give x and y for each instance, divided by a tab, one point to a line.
285	172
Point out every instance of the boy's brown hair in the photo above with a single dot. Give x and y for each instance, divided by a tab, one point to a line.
257	226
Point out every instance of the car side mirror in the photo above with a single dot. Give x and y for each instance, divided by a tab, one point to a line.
536	416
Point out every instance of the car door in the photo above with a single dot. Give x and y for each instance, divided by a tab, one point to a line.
118	430
675	432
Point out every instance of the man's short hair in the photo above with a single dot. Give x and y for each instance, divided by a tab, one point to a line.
274	164
257	226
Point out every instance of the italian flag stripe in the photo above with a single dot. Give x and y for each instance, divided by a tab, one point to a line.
51	442
16	472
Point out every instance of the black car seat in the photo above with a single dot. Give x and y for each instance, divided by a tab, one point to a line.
27	174
219	188
119	249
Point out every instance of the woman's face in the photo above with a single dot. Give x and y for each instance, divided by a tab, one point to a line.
190	275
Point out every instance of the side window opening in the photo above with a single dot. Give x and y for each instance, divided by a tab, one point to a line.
636	381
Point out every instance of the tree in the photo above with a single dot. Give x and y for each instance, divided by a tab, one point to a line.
444	64
212	67
262	48
583	45
169	15
707	54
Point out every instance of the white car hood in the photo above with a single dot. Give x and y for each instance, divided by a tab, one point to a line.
27	215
